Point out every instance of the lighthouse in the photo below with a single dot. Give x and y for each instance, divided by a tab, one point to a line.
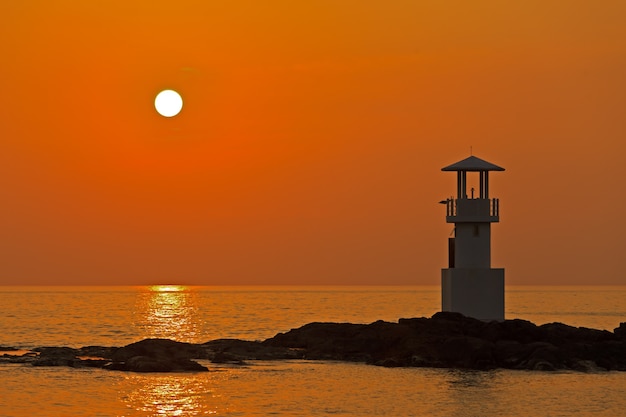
469	285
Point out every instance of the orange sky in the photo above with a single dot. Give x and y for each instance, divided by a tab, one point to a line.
310	145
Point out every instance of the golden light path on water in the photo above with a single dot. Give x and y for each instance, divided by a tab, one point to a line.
168	311
171	312
171	395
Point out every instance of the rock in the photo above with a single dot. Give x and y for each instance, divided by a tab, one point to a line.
417	361
233	350
7	348
559	334
467	352
544	357
96	352
157	355
521	331
55	362
321	340
94	363
56	352
607	354
542	366
28	357
511	353
587	366
390	363
152	364
229	358
452	340
158	348
56	356
147	364
345	341
448	340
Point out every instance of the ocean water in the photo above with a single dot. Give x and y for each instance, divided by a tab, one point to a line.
115	316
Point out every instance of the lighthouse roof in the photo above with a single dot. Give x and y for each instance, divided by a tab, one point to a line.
472	163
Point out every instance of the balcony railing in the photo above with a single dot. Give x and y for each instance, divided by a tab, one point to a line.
473	209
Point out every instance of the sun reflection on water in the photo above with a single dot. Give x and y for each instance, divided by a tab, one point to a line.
170	395
168	311
168	288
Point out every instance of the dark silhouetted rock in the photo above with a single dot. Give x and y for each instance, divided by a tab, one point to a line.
239	351
452	340
56	356
157	355
56	352
158	348
152	364
448	340
229	358
95	352
8	348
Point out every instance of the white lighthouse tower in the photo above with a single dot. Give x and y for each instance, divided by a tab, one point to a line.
470	285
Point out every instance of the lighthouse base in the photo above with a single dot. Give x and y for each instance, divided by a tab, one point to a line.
473	292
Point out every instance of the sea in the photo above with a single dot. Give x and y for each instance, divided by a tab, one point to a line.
115	316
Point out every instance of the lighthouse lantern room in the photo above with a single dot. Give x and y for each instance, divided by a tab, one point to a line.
470	285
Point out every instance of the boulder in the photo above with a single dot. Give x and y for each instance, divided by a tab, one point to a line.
234	350
228	358
620	331
510	353
543	357
158	348
152	364
56	352
8	348
96	352
467	352
157	355
56	356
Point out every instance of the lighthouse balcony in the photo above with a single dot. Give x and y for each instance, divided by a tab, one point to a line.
472	210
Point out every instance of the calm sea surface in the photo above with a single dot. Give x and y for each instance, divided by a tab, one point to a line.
115	316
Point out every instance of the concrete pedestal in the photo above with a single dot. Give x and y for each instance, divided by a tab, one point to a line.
474	292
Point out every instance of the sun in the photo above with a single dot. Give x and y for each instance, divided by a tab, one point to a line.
168	103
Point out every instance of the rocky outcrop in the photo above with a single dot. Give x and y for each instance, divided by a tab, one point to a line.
452	340
234	351
141	363
153	355
56	356
446	340
157	355
621	331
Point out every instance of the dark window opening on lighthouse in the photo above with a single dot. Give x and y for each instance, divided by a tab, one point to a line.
476	230
451	252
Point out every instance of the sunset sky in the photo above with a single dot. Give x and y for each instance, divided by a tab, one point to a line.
310	145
